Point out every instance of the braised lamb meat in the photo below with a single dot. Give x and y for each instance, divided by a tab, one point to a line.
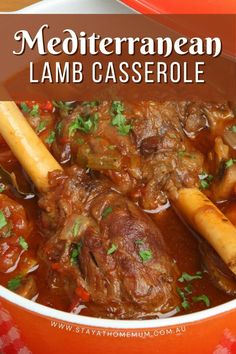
169	162
144	148
195	116
106	249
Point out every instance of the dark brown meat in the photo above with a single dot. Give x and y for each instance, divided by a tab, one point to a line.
195	116
104	245
153	159
169	161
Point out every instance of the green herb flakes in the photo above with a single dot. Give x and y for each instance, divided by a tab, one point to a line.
184	153
13	284
145	255
23	243
51	138
177	309
24	107
106	212
186	292
76	252
118	118
90	103
86	125
42	126
3	221
76	228
112	249
188	289
233	128
118	107
80	141
185	303
35	111
181	153
59	127
230	163
202	298
188	277
139	242
205	180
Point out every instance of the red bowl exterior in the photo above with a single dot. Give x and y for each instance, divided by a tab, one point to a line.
190	26
183	6
42	334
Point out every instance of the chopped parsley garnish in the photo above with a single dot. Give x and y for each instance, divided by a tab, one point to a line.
76	228
112	249
51	138
63	106
205	180
23	243
74	255
42	126
177	309
32	111
59	128
2	188
95	119
106	212
139	242
3	221
118	118
184	303
184	153
230	163
118	107
14	283
75	252
181	153
35	111
202	298
80	141
188	277
84	124
173	136
111	147
204	184
188	289
120	121
233	128
25	107
145	255
90	103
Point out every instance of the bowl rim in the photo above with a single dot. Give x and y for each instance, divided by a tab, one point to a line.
53	314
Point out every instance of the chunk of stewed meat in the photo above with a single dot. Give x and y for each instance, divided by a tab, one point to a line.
107	250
